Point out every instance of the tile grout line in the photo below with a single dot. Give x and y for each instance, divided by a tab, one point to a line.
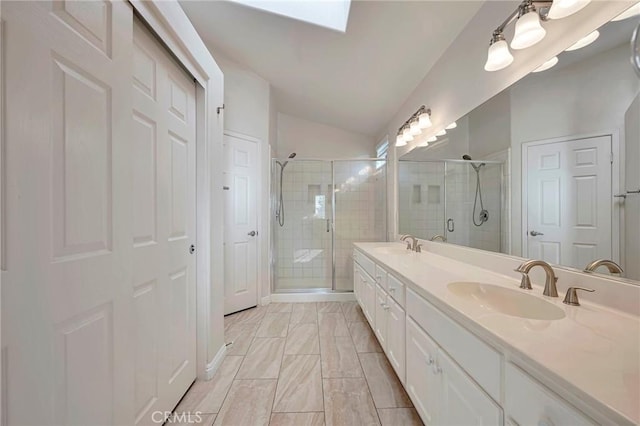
367	380
275	391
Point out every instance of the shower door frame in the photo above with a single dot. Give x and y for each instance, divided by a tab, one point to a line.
273	262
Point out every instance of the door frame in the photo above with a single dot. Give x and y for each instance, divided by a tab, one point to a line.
617	227
172	26
262	186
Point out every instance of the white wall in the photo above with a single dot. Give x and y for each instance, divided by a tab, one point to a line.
632	183
309	139
249	110
490	126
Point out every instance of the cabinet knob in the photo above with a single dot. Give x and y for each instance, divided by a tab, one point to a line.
430	360
437	369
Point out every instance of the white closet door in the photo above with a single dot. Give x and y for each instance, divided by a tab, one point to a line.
68	355
163	148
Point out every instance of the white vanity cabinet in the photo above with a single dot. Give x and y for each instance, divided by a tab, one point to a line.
441	391
452	376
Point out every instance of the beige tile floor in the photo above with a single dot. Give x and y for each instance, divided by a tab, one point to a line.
301	364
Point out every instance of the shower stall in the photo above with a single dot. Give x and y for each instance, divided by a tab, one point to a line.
460	201
319	208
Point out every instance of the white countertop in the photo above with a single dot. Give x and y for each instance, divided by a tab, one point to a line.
591	357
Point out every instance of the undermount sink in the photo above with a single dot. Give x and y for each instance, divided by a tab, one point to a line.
507	301
396	249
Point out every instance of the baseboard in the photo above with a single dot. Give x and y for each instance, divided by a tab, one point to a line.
213	366
312	297
265	300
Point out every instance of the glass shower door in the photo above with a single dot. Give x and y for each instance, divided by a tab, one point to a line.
360	212
303	215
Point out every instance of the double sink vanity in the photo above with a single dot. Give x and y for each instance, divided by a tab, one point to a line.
471	347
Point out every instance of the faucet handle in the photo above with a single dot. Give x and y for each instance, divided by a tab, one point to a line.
418	248
571	297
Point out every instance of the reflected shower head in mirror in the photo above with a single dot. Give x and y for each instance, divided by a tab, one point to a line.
476	167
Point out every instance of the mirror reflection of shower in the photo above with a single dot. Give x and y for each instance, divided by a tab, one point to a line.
484	214
280	206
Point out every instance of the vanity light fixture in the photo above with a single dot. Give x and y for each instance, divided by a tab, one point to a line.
529	31
563	8
549	64
584	41
432	139
452	126
441	132
423	143
632	11
499	56
419	120
528	28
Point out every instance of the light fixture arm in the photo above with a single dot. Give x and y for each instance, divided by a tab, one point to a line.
542	6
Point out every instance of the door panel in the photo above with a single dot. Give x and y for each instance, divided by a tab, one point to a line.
241	222
67	297
569	201
422	385
163	149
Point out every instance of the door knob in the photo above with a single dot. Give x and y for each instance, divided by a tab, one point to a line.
535	233
252	234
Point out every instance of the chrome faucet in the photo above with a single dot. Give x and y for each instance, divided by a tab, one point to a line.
438	238
550	283
413	245
612	266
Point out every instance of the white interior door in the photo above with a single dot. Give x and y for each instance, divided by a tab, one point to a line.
569	201
66	301
241	233
164	285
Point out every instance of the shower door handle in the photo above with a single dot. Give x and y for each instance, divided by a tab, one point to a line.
451	226
328	225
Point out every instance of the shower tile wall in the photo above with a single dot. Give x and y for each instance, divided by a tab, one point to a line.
360	212
421	198
303	246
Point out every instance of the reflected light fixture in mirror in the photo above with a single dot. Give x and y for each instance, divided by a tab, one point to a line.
563	8
432	139
529	31
400	140
441	132
549	64
631	12
584	41
451	126
423	143
499	56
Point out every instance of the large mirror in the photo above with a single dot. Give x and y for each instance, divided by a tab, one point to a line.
547	169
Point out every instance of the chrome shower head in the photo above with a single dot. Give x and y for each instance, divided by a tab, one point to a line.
467	157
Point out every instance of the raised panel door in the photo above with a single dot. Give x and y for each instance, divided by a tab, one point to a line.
422	385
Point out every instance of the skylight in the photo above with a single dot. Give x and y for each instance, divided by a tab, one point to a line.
332	14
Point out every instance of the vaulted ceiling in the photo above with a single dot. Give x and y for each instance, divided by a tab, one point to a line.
354	80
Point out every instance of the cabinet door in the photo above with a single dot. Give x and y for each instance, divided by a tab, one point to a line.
369	297
381	316
422	384
396	320
357	280
463	401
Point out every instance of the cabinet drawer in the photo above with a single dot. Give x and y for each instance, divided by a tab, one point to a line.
381	277
381	317
477	358
396	290
366	263
528	402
